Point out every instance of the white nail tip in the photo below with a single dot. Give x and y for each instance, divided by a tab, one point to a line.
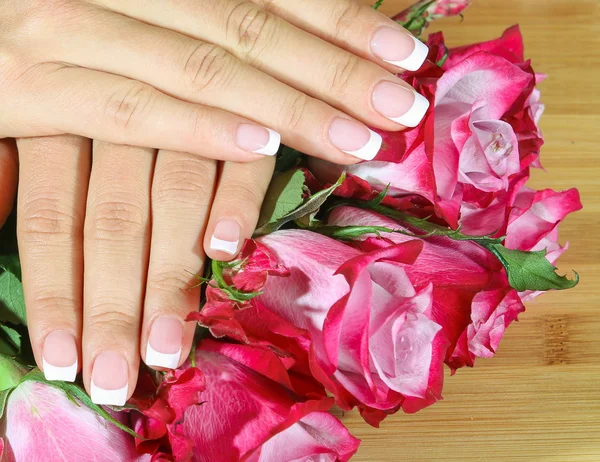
109	397
158	359
65	374
416	58
272	146
229	247
369	150
415	114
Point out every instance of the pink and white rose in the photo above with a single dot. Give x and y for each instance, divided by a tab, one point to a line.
472	299
42	424
374	343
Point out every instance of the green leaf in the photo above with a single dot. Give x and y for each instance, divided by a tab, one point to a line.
283	196
287	158
12	302
311	205
377	4
530	270
10	341
75	393
351	233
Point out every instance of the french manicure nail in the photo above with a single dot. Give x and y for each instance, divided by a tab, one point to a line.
226	237
258	140
164	343
402	105
399	48
59	356
110	383
355	139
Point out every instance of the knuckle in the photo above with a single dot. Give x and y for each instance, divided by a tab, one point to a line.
127	107
252	28
54	303
187	181
105	316
293	112
208	67
343	72
114	219
246	194
344	15
43	218
172	280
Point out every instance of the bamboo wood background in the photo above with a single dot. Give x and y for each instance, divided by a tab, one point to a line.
538	399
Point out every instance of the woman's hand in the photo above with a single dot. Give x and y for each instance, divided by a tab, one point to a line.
206	76
109	251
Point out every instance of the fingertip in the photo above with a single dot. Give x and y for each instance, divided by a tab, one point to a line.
223	243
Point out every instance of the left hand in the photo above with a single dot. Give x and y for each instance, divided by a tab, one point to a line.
109	256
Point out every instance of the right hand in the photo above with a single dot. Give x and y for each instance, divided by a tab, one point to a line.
205	77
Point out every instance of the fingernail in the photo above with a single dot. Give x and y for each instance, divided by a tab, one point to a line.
226	237
400	104
164	343
110	379
258	140
59	356
355	139
399	48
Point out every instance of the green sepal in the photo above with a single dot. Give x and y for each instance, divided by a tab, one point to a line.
530	270
77	395
232	293
11	373
351	233
10	376
3	399
377	4
283	196
311	205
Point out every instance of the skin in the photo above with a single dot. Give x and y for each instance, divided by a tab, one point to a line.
155	96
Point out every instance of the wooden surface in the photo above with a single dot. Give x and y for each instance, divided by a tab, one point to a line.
538	399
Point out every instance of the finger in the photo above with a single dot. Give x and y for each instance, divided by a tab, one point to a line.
108	107
236	208
182	192
116	247
356	86
203	73
357	28
9	171
54	172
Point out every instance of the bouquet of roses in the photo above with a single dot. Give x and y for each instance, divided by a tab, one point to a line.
360	284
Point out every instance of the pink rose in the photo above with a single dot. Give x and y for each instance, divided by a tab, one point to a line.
472	152
533	223
249	412
373	341
472	300
42	425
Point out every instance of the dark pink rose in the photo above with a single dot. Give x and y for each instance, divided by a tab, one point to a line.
249	411
42	424
373	341
238	403
472	300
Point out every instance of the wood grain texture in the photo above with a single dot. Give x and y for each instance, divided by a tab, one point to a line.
538	399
